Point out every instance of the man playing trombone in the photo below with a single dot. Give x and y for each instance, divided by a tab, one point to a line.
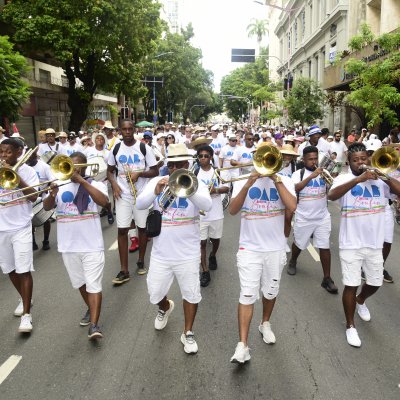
262	201
16	256
176	251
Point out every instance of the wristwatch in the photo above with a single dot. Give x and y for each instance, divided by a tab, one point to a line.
278	179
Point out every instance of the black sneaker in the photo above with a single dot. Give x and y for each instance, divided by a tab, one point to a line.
110	218
329	285
387	277
46	245
291	268
85	321
205	278
94	332
212	263
35	246
103	212
141	269
121	278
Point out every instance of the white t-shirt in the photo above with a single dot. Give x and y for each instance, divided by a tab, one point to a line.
286	171
43	172
339	148
110	143
217	211
179	239
323	146
244	155
78	233
312	203
262	215
68	149
91	152
132	158
226	154
17	215
217	144
46	148
362	222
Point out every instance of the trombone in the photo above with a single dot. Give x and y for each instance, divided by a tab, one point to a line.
267	161
182	183
61	167
384	161
130	181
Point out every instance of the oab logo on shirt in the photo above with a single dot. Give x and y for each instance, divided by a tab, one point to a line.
256	193
316	183
68	199
123	159
229	153
365	192
247	155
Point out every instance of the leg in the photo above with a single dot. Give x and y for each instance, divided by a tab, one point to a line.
84	294
245	315
295	253
142	243
288	223
203	245
46	231
123	248
366	291
215	246
24	285
94	300
268	306
325	255
164	304
349	304
189	311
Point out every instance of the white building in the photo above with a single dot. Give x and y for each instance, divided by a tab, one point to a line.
171	12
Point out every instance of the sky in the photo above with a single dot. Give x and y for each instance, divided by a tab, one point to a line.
219	26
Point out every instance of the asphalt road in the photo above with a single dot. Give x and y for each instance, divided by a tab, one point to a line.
310	360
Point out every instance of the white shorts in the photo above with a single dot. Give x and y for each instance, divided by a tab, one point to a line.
389	226
85	269
211	229
16	251
370	260
320	230
259	269
161	275
126	211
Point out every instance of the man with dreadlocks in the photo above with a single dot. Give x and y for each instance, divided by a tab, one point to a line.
362	198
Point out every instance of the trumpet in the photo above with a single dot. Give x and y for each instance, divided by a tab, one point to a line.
130	182
384	161
61	167
267	161
182	183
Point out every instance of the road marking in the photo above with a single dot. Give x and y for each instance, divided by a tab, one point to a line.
8	367
114	246
313	252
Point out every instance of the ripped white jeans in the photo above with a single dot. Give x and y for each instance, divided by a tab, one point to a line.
259	270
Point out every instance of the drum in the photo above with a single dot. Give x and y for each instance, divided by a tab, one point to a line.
102	172
40	216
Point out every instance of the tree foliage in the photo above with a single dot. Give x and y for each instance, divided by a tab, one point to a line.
14	92
259	29
375	88
186	82
305	102
100	44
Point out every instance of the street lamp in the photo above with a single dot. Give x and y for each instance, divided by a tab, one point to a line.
194	105
154	87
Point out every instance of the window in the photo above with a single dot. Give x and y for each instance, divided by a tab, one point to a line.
44	76
309	69
317	68
295	34
303	24
289	34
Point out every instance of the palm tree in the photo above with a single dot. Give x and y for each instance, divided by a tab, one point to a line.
258	28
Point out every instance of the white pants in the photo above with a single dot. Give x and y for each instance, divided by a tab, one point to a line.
16	251
389	225
211	229
161	275
259	269
320	230
126	211
85	269
370	260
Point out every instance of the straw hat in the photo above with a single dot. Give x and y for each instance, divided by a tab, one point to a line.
202	140
288	149
108	125
178	152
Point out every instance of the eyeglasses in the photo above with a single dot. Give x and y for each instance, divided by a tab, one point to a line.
233	140
203	156
176	164
170	137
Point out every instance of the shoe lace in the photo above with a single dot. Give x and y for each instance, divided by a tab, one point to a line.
190	337
160	315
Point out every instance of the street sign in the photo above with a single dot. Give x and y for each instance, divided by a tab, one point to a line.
153	80
243	55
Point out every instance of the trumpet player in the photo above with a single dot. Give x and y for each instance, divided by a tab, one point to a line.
362	231
312	218
16	255
262	202
136	161
176	251
80	238
212	223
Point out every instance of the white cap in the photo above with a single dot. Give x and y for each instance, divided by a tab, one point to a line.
231	135
215	127
161	135
373	144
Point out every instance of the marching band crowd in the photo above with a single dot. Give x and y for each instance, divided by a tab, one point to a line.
172	184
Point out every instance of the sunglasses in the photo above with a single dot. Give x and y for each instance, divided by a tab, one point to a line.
233	140
203	156
170	137
176	164
250	139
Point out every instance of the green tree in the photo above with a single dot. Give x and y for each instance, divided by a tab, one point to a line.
14	91
259	29
375	88
100	44
305	102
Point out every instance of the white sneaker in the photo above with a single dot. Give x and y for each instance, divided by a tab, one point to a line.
189	343
26	324
352	337
242	354
363	312
20	308
162	317
266	332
